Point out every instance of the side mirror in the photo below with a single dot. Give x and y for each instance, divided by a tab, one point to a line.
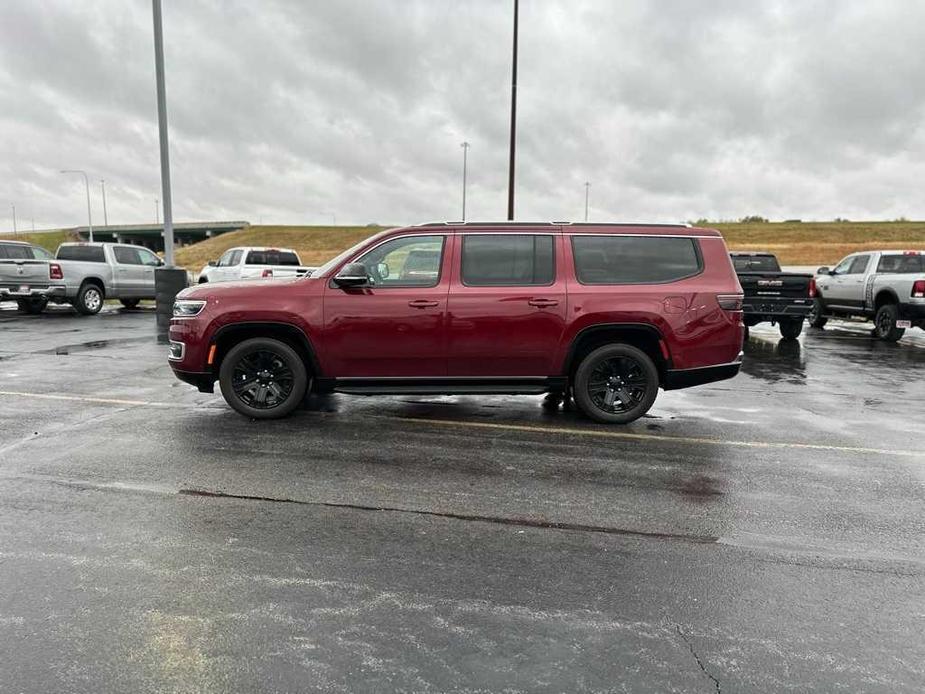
352	275
383	270
160	262
823	271
213	263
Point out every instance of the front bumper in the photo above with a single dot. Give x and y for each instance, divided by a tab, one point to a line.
204	382
687	378
11	292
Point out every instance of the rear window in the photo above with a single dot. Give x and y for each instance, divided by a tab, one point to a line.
901	264
755	263
14	251
499	260
89	254
271	258
634	259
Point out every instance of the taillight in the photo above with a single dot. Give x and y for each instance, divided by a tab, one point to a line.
812	287
55	272
918	289
730	302
267	273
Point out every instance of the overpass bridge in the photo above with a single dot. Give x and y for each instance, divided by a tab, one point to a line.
152	235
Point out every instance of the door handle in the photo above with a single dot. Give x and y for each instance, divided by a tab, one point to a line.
423	303
543	303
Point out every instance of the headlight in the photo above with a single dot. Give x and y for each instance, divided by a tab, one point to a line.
184	308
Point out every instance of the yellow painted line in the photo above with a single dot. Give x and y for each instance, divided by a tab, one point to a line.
527	428
652	437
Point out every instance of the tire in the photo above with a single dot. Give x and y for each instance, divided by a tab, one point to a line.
272	367
606	367
32	306
885	324
129	303
203	280
817	317
791	328
745	334
89	299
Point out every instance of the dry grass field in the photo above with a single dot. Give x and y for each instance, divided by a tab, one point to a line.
795	243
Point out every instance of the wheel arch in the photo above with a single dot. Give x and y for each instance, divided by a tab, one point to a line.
232	334
640	335
885	296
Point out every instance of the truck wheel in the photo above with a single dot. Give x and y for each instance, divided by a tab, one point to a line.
32	306
616	384
790	328
885	323
129	303
89	299
263	378
816	316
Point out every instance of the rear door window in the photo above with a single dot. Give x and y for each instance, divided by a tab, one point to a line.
634	259
508	260
898	263
126	256
89	254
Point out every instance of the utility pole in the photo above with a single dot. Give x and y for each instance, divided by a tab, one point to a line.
103	189
87	186
157	213
162	130
465	147
510	175
15	232
587	190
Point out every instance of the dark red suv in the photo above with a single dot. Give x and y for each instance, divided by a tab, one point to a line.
604	312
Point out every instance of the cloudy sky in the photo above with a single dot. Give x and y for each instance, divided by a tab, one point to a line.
293	111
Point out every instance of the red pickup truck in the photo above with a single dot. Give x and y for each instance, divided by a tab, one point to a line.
605	312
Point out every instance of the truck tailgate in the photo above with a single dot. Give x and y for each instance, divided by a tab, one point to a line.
23	271
782	285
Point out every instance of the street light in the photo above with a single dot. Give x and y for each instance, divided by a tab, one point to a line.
15	232
87	185
510	172
587	190
103	189
157	212
465	147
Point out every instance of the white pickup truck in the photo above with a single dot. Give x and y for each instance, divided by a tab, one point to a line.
254	262
887	287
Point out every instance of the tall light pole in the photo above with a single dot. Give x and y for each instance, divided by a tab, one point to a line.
162	129
510	174
103	190
87	186
157	212
15	232
587	191
465	148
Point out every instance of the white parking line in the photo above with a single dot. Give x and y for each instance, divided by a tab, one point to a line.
527	428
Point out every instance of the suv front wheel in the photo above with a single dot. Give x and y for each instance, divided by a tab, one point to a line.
263	378
616	384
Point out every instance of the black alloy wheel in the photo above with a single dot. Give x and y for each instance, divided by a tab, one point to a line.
616	384
263	378
885	323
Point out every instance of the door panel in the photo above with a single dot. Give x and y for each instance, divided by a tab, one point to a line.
128	271
390	329
504	330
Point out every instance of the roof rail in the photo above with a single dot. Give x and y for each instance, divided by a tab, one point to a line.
509	223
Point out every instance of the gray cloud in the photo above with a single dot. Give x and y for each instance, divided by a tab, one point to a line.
289	111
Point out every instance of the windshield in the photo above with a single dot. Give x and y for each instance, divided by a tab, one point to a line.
337	260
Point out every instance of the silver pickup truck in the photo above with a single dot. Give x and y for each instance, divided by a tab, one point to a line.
81	274
887	287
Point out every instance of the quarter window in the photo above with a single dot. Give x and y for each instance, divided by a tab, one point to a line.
634	259
508	260
412	261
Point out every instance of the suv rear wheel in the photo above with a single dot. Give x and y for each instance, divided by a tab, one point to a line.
885	323
616	384
263	378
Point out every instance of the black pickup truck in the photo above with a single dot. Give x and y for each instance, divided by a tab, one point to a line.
784	298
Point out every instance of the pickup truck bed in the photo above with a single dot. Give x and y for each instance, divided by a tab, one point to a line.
772	296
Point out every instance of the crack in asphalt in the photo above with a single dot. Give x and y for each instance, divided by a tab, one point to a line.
499	520
690	647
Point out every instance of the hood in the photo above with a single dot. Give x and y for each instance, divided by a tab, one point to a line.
230	290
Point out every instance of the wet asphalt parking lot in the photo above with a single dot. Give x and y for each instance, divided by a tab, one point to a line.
761	534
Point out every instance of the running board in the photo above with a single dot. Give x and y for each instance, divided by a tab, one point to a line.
448	386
